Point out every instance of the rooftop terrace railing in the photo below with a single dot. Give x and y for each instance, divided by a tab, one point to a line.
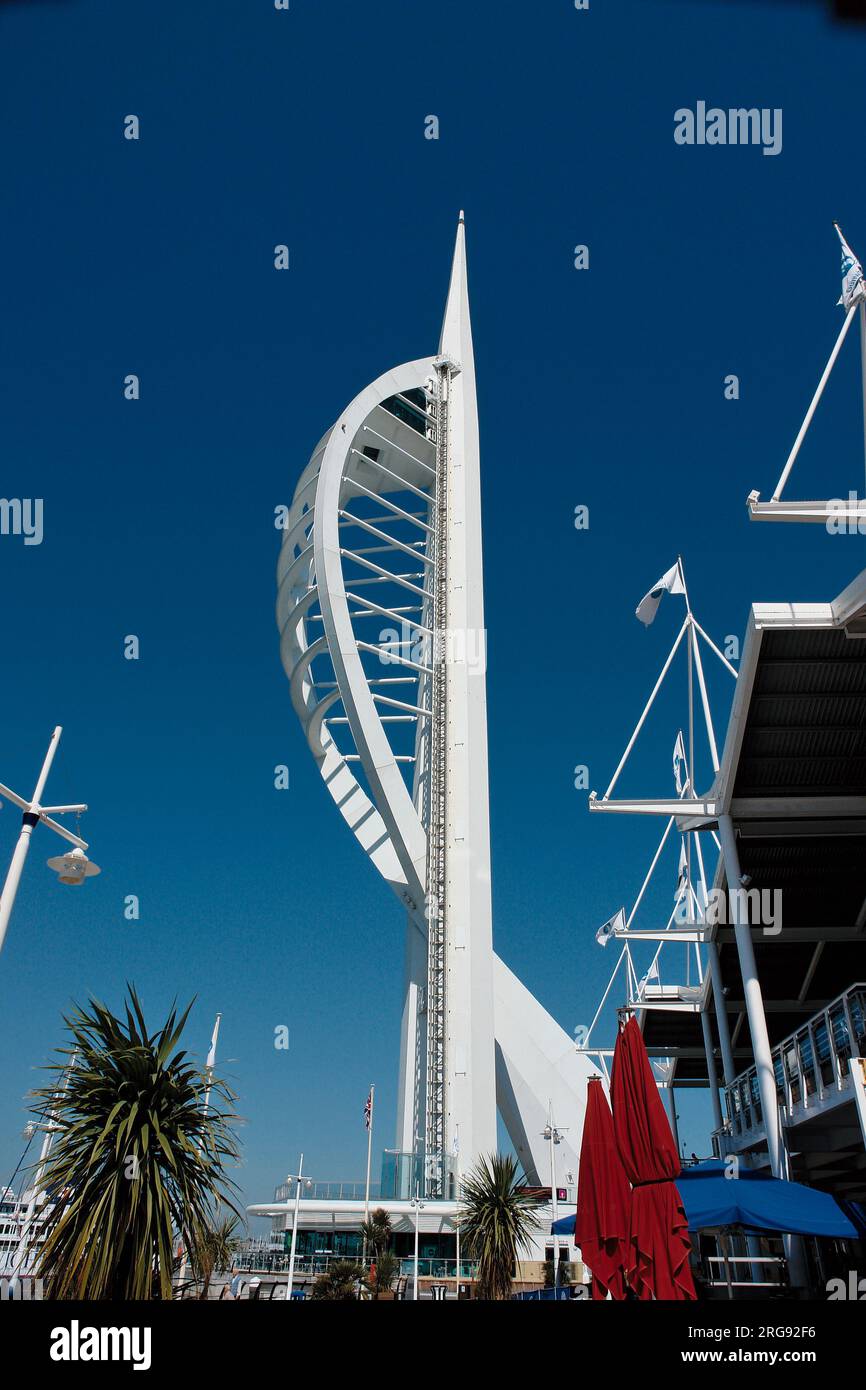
810	1066
328	1191
270	1262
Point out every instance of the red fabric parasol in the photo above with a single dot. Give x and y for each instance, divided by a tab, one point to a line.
658	1255
603	1198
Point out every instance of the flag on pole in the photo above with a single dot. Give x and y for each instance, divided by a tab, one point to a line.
670	583
683	878
211	1056
681	777
651	974
368	1110
605	932
853	285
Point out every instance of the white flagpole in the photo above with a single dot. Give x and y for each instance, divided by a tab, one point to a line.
622	955
640	723
863	365
695	654
208	1066
211	1061
792	457
691	781
662	842
713	648
708	718
369	1155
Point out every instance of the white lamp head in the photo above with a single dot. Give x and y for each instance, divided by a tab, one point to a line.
73	867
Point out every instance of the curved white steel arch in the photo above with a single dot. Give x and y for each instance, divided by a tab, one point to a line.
386	824
388	786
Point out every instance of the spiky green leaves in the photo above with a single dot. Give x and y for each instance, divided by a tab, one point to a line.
497	1221
139	1158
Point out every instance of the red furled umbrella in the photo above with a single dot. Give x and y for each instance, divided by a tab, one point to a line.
603	1198
658	1255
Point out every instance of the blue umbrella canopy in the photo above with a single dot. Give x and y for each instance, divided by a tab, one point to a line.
753	1200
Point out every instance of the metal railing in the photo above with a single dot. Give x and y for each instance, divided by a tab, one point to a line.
810	1065
270	1262
437	1267
746	1272
329	1191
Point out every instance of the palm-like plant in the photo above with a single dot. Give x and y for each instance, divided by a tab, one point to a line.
138	1157
340	1283
387	1269
497	1220
376	1231
215	1250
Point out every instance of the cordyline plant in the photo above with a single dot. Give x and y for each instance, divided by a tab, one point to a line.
138	1158
497	1219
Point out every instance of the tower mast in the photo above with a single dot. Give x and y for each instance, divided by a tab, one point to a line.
460	1093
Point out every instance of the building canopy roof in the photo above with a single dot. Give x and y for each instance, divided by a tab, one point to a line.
793	777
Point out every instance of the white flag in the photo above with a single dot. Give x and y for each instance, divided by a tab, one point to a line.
605	932
211	1056
680	765
651	974
670	583
683	878
853	286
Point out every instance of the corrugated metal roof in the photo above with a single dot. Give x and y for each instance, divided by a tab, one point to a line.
806	727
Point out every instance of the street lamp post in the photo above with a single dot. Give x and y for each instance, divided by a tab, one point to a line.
553	1136
73	867
22	1251
417	1206
298	1178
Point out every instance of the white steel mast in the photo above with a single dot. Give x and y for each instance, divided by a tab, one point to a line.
468	1107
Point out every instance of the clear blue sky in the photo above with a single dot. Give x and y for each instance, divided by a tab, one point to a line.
602	387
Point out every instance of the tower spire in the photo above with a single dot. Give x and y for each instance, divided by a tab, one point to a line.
456	337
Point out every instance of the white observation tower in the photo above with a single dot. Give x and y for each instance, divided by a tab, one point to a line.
380	609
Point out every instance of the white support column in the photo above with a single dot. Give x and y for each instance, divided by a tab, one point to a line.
711	1069
728	1070
753	997
671	1103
